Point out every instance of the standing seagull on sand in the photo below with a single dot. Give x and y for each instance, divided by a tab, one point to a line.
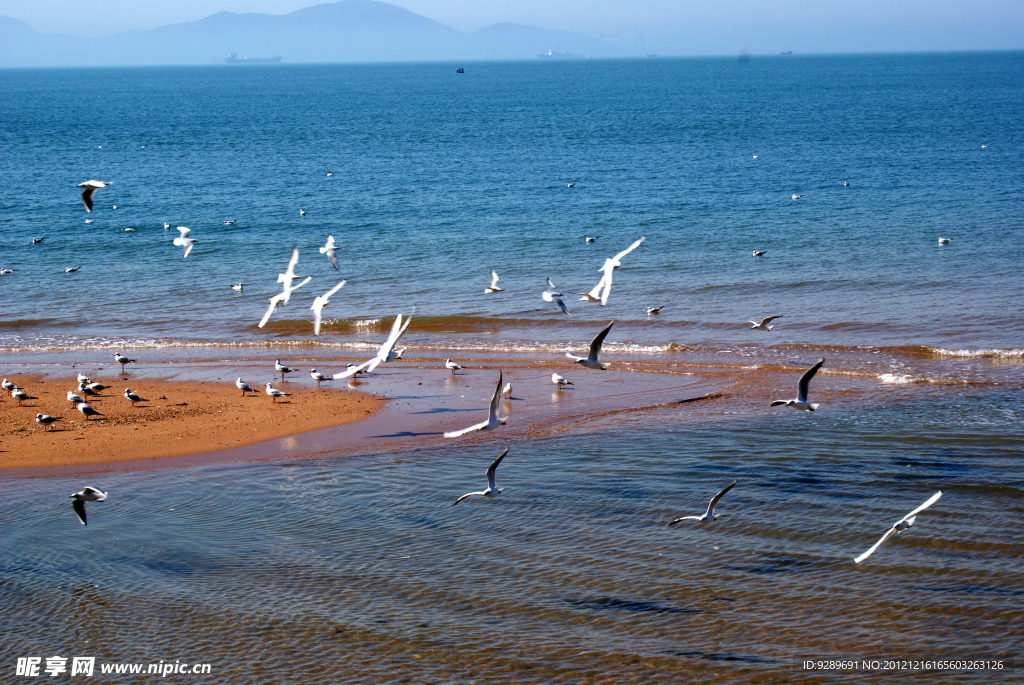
8	386
184	240
74	399
87	410
763	326
492	488
449	364
90	187
590	361
318	377
385	354
559	381
318	305
494	284
132	397
551	295
275	393
45	420
243	386
286	280
21	396
801	396
330	249
904	523
282	369
122	360
709	516
86	495
493	420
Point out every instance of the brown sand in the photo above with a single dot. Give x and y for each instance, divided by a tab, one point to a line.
181	418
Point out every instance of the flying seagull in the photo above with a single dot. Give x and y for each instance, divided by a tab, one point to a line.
90	187
904	523
243	386
590	361
275	393
286	280
594	295
709	516
551	295
184	240
86	495
318	305
385	354
330	249
492	422
494	284
763	326
492	489
801	396
610	265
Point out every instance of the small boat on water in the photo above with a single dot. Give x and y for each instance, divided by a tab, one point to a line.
460	70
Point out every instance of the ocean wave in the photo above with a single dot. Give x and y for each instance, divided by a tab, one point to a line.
991	353
896	378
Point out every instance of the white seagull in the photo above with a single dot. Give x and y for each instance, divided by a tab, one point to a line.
90	187
71	269
282	369
507	390
709	516
72	397
302	212
330	249
492	489
238	287
45	420
943	241
590	361
275	393
904	523
21	396
96	387
801	396
166	225
86	390
243	386
184	240
86	495
763	326
759	253
551	295
493	420
493	288
610	265
559	381
589	239
89	221
82	378
319	303
87	410
122	360
318	377
286	280
132	397
797	197
594	296
7	385
654	310
230	223
385	354
449	364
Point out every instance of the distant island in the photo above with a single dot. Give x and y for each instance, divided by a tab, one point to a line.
233	58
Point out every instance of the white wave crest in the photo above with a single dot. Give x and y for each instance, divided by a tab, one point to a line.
993	353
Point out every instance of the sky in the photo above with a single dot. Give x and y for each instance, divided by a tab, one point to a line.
667	27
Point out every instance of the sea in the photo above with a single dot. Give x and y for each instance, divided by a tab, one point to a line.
845	170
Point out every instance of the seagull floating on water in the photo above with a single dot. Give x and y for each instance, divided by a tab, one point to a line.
492	489
330	249
493	420
755	156
559	381
71	269
184	240
89	221
797	197
571	185
230	223
763	326
801	396
132	397
493	288
708	516
449	364
318	305
654	310
302	212
4	272
551	295
589	239
385	354
275	393
901	525
45	420
36	241
943	241
759	253
243	386
846	183
91	187
87	494
590	361
238	287
166	225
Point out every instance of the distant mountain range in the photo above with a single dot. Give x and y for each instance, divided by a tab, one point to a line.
346	31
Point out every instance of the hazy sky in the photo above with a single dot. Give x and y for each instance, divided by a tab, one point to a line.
685	27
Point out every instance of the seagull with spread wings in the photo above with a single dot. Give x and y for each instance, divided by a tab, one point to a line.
87	494
552	295
763	326
90	187
590	361
493	288
901	525
493	420
330	249
385	354
184	240
708	516
610	265
319	303
286	280
801	396
492	488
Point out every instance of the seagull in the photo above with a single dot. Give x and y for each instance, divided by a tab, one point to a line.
6	271
45	420
507	390
36	241
330	249
21	396
594	295
71	269
132	397
87	410
230	223
114	207
493	420
91	187
319	303
943	241
330	174
7	385
709	516
385	354
302	212
243	386
82	378
984	146
610	265
86	390
96	387
89	221
492	489
184	241
846	183
904	523
550	295
559	381
801	396
449	364
654	310
122	360
759	253
128	230
275	393
797	197
763	326
755	156
72	397
399	353
86	495
318	377
286	280
166	225
238	287
494	284
589	239
282	369
590	361
571	185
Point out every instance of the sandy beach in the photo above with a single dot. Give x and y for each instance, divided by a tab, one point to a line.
180	418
